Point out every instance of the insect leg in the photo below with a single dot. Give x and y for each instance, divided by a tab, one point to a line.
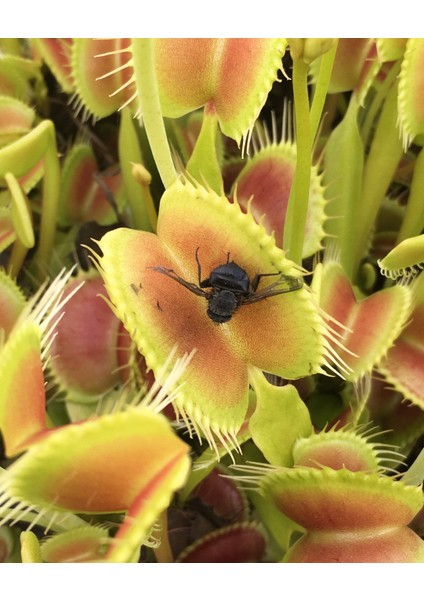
171	273
199	268
257	278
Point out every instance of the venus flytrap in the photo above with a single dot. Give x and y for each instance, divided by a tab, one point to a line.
338	493
263	187
221	512
348	64
239	543
145	301
402	421
413	221
12	302
84	350
56	52
402	365
83	544
82	198
406	259
349	516
22	409
17	119
172	77
51	479
369	325
410	88
48	478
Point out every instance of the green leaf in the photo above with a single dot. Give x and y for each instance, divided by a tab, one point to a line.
343	164
279	420
130	154
30	548
21	212
203	164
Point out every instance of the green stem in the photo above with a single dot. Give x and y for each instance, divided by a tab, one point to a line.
385	152
413	221
129	154
203	164
377	102
16	258
294	228
51	191
148	95
321	88
142	176
20	158
415	474
163	552
344	165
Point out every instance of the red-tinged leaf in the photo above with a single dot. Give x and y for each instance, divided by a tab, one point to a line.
369	325
341	500
22	388
101	465
22	398
131	364
7	543
403	365
337	450
152	500
350	57
100	68
264	187
222	496
12	81
82	199
12	302
32	176
84	351
84	544
7	229
16	119
56	52
241	543
411	89
397	545
234	76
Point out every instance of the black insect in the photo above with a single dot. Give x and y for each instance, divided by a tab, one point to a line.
230	287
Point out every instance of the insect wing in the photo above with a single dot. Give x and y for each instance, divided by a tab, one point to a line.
283	285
